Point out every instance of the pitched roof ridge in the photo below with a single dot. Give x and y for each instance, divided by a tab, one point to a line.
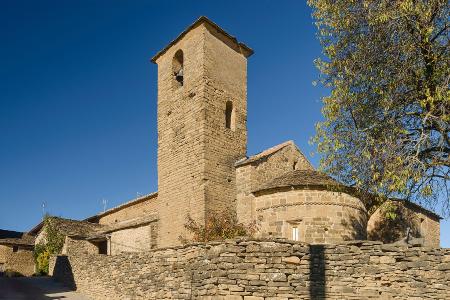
123	205
264	153
203	19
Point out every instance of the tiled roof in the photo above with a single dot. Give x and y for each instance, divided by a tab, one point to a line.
412	205
75	228
240	47
300	178
8	237
131	223
17	242
10	234
263	154
70	227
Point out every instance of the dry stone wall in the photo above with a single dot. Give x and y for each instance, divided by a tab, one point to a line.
263	269
21	261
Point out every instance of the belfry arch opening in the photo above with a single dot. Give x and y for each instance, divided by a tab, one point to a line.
229	116
178	68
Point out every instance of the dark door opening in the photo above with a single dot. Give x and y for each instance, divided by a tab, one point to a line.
102	247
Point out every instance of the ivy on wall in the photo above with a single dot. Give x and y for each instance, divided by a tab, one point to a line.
52	244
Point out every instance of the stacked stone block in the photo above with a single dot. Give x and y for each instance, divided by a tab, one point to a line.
21	261
264	269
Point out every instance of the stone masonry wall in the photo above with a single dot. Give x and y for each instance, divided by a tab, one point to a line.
421	224
225	82
263	269
181	184
321	216
132	239
251	176
196	152
144	208
21	261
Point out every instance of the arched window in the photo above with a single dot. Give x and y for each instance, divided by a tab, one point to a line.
229	116
177	68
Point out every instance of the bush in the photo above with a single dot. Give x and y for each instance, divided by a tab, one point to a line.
217	227
42	261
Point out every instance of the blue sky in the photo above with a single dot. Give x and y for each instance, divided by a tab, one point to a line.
78	95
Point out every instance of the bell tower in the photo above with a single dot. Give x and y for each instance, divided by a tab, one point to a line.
202	125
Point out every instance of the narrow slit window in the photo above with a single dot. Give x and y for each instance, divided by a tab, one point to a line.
177	68
229	116
295	234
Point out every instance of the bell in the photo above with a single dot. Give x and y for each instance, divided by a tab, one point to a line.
179	76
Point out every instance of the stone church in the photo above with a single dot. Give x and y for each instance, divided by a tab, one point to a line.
203	167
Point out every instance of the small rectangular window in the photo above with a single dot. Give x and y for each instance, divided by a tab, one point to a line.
15	248
295	234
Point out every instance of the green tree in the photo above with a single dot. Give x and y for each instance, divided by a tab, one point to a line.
386	121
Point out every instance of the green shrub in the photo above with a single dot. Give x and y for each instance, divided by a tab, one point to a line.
218	226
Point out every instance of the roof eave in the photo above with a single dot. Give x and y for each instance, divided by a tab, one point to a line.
122	206
333	187
244	49
261	155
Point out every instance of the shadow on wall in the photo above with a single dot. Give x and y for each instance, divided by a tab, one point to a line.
63	273
357	228
317	278
392	230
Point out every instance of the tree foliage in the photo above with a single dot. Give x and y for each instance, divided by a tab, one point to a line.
217	227
386	121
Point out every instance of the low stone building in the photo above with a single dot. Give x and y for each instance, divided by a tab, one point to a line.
16	252
412	221
71	230
130	227
135	234
203	167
